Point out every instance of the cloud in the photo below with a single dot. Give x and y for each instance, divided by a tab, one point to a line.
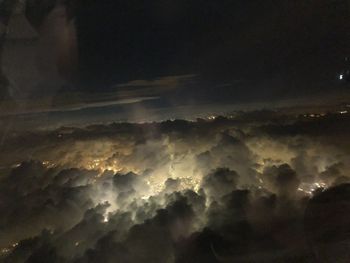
219	190
163	82
46	105
155	87
220	182
283	179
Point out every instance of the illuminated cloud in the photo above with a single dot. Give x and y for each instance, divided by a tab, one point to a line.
220	189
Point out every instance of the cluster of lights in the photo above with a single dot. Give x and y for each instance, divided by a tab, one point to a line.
311	188
7	250
48	164
314	115
101	165
94	164
319	115
190	183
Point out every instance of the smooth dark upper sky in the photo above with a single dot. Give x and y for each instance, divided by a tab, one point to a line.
238	50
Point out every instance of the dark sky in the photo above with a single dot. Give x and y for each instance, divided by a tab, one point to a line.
238	50
180	52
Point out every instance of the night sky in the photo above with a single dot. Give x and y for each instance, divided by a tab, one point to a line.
182	52
238	50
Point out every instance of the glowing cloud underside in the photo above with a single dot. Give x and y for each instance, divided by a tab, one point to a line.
166	181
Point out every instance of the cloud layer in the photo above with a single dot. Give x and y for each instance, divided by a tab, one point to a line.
244	189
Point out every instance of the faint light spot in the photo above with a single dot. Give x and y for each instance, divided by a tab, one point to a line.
16	165
105	218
